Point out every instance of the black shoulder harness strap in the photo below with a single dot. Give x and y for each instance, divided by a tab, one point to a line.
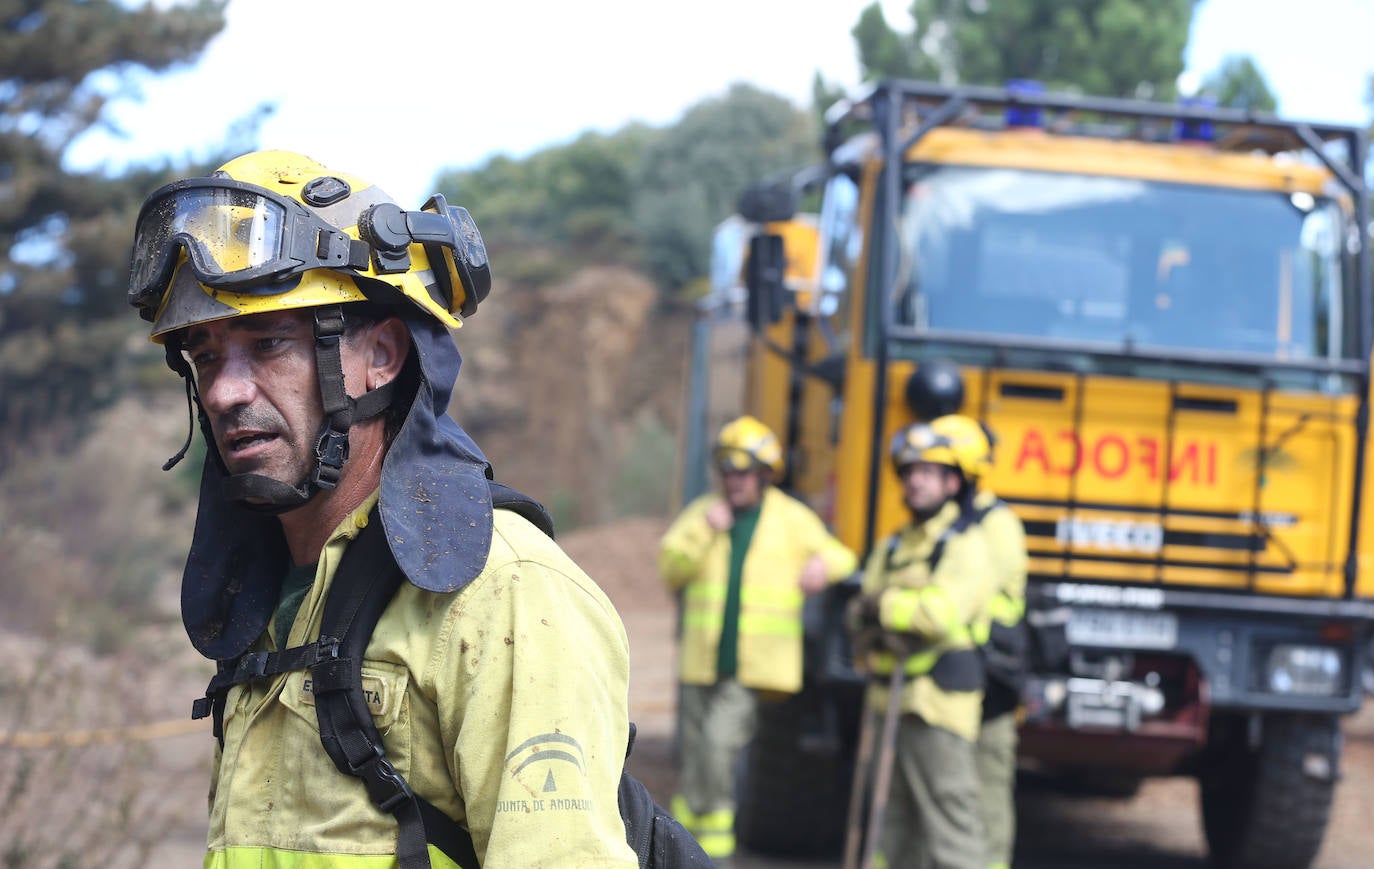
968	516
366	580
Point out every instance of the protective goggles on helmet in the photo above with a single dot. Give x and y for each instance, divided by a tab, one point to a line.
244	239
732	460
237	237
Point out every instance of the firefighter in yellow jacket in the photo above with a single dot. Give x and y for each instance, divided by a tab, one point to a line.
744	562
310	317
926	591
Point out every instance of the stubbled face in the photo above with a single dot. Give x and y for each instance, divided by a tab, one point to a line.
742	489
926	486
257	380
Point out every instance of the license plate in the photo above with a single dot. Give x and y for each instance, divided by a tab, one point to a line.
1122	629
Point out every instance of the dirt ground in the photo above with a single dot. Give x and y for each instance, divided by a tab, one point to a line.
1157	828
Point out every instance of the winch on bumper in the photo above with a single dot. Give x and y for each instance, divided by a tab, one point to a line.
1128	677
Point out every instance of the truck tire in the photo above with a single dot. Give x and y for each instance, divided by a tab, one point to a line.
1267	808
794	794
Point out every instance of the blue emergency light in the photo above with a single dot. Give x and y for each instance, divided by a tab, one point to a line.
1023	116
1195	130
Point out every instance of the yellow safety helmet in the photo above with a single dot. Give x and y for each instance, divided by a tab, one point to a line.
953	440
745	443
275	230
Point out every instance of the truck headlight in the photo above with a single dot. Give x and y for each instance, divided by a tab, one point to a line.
1312	670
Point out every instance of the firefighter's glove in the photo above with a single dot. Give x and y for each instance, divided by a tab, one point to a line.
865	628
863	613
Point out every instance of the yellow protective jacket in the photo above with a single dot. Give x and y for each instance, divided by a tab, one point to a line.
505	704
944	610
695	559
1007	540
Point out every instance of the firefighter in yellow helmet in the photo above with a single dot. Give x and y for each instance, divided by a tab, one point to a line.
744	561
310	317
924	599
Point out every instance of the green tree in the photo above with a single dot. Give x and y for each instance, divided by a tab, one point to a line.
691	176
64	237
1127	48
1239	84
576	197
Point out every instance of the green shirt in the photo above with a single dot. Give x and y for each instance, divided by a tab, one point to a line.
293	588
740	534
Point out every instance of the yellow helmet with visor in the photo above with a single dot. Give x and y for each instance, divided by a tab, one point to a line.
274	230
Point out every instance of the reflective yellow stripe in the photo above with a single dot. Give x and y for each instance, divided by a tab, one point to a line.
699	593
713	593
1005	609
900	611
717	845
716	833
684	814
274	858
981	633
915	665
702	619
756	624
714	822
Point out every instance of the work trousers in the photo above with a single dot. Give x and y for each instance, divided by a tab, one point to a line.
717	721
996	758
934	816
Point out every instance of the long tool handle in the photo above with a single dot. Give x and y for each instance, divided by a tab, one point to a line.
858	791
882	775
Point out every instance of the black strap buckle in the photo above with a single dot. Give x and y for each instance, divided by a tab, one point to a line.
385	786
331	452
202	708
251	665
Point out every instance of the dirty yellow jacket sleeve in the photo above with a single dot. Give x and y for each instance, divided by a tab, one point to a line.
505	704
531	686
682	552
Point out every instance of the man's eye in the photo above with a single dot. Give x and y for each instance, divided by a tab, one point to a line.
268	343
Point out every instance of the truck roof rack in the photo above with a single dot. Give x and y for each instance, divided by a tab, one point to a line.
923	103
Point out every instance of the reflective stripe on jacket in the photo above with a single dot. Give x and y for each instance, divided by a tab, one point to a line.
944	610
695	559
504	704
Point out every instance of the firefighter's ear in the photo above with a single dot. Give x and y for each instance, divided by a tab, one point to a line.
388	344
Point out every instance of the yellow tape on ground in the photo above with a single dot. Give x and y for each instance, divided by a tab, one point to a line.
102	735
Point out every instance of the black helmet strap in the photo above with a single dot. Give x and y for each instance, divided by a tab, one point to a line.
264	494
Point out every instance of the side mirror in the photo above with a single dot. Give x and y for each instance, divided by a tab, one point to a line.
763	278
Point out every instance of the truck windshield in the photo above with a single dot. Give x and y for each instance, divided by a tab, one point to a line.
1120	263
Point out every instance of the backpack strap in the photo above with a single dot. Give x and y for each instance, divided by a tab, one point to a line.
505	498
968	517
365	582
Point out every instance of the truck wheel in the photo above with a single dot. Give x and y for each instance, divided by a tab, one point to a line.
1268	808
793	794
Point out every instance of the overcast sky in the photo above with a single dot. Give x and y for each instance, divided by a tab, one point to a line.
394	91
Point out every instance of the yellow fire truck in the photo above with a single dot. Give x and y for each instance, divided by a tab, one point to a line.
1163	314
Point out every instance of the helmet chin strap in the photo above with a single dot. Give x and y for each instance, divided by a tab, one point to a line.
264	494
